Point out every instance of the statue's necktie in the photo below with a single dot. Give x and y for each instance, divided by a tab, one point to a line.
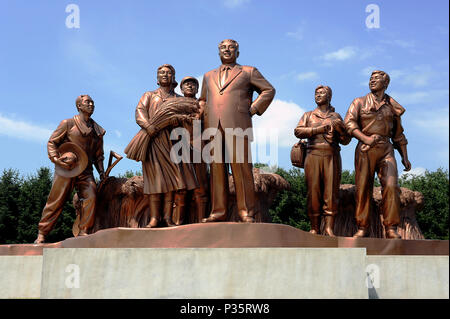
223	78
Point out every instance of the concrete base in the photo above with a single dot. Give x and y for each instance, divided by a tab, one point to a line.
240	273
246	273
408	277
20	277
224	260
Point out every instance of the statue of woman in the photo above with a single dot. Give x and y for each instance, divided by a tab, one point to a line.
163	178
324	129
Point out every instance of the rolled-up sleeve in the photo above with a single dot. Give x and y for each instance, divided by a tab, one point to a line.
302	130
141	111
352	117
398	138
344	138
99	154
55	139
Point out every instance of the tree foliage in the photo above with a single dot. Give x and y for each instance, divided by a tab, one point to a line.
21	204
23	198
433	218
290	208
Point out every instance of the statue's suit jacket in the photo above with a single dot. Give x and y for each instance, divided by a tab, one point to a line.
230	104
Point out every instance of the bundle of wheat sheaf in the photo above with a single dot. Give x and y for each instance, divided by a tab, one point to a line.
180	107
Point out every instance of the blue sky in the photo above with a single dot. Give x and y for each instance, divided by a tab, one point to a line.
296	45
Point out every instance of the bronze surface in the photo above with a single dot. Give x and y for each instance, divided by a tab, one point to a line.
227	100
231	235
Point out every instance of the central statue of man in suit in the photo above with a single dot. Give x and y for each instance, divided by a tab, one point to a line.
227	104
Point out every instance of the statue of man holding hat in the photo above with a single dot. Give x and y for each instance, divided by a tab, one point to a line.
74	147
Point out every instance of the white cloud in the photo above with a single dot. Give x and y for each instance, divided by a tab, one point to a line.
297	34
400	43
418	76
90	58
341	54
118	133
415	77
367	71
420	97
416	171
234	3
397	74
432	124
280	120
92	61
19	129
435	122
307	76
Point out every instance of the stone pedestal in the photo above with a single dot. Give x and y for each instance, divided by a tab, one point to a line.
224	260
244	273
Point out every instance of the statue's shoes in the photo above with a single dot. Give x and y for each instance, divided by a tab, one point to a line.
40	239
153	223
169	223
214	218
82	232
247	219
391	233
360	233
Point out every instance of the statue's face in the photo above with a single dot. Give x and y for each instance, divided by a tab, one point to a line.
189	88
165	76
86	105
376	82
321	96
228	52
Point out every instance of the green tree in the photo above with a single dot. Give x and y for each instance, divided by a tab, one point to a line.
289	206
348	177
433	218
33	195
10	188
129	174
21	204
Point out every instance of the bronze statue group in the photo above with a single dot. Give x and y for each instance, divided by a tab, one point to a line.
225	103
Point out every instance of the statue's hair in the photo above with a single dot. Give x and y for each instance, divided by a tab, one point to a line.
232	41
79	99
327	89
385	76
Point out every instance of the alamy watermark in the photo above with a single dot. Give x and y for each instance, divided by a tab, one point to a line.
373	19
223	146
73	277
73	19
372	276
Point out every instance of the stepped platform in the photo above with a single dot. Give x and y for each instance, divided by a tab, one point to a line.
231	235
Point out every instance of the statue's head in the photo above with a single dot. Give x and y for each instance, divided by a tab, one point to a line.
228	51
189	86
165	76
379	80
323	94
85	104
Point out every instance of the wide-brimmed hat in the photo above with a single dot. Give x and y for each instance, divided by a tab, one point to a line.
71	152
188	78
